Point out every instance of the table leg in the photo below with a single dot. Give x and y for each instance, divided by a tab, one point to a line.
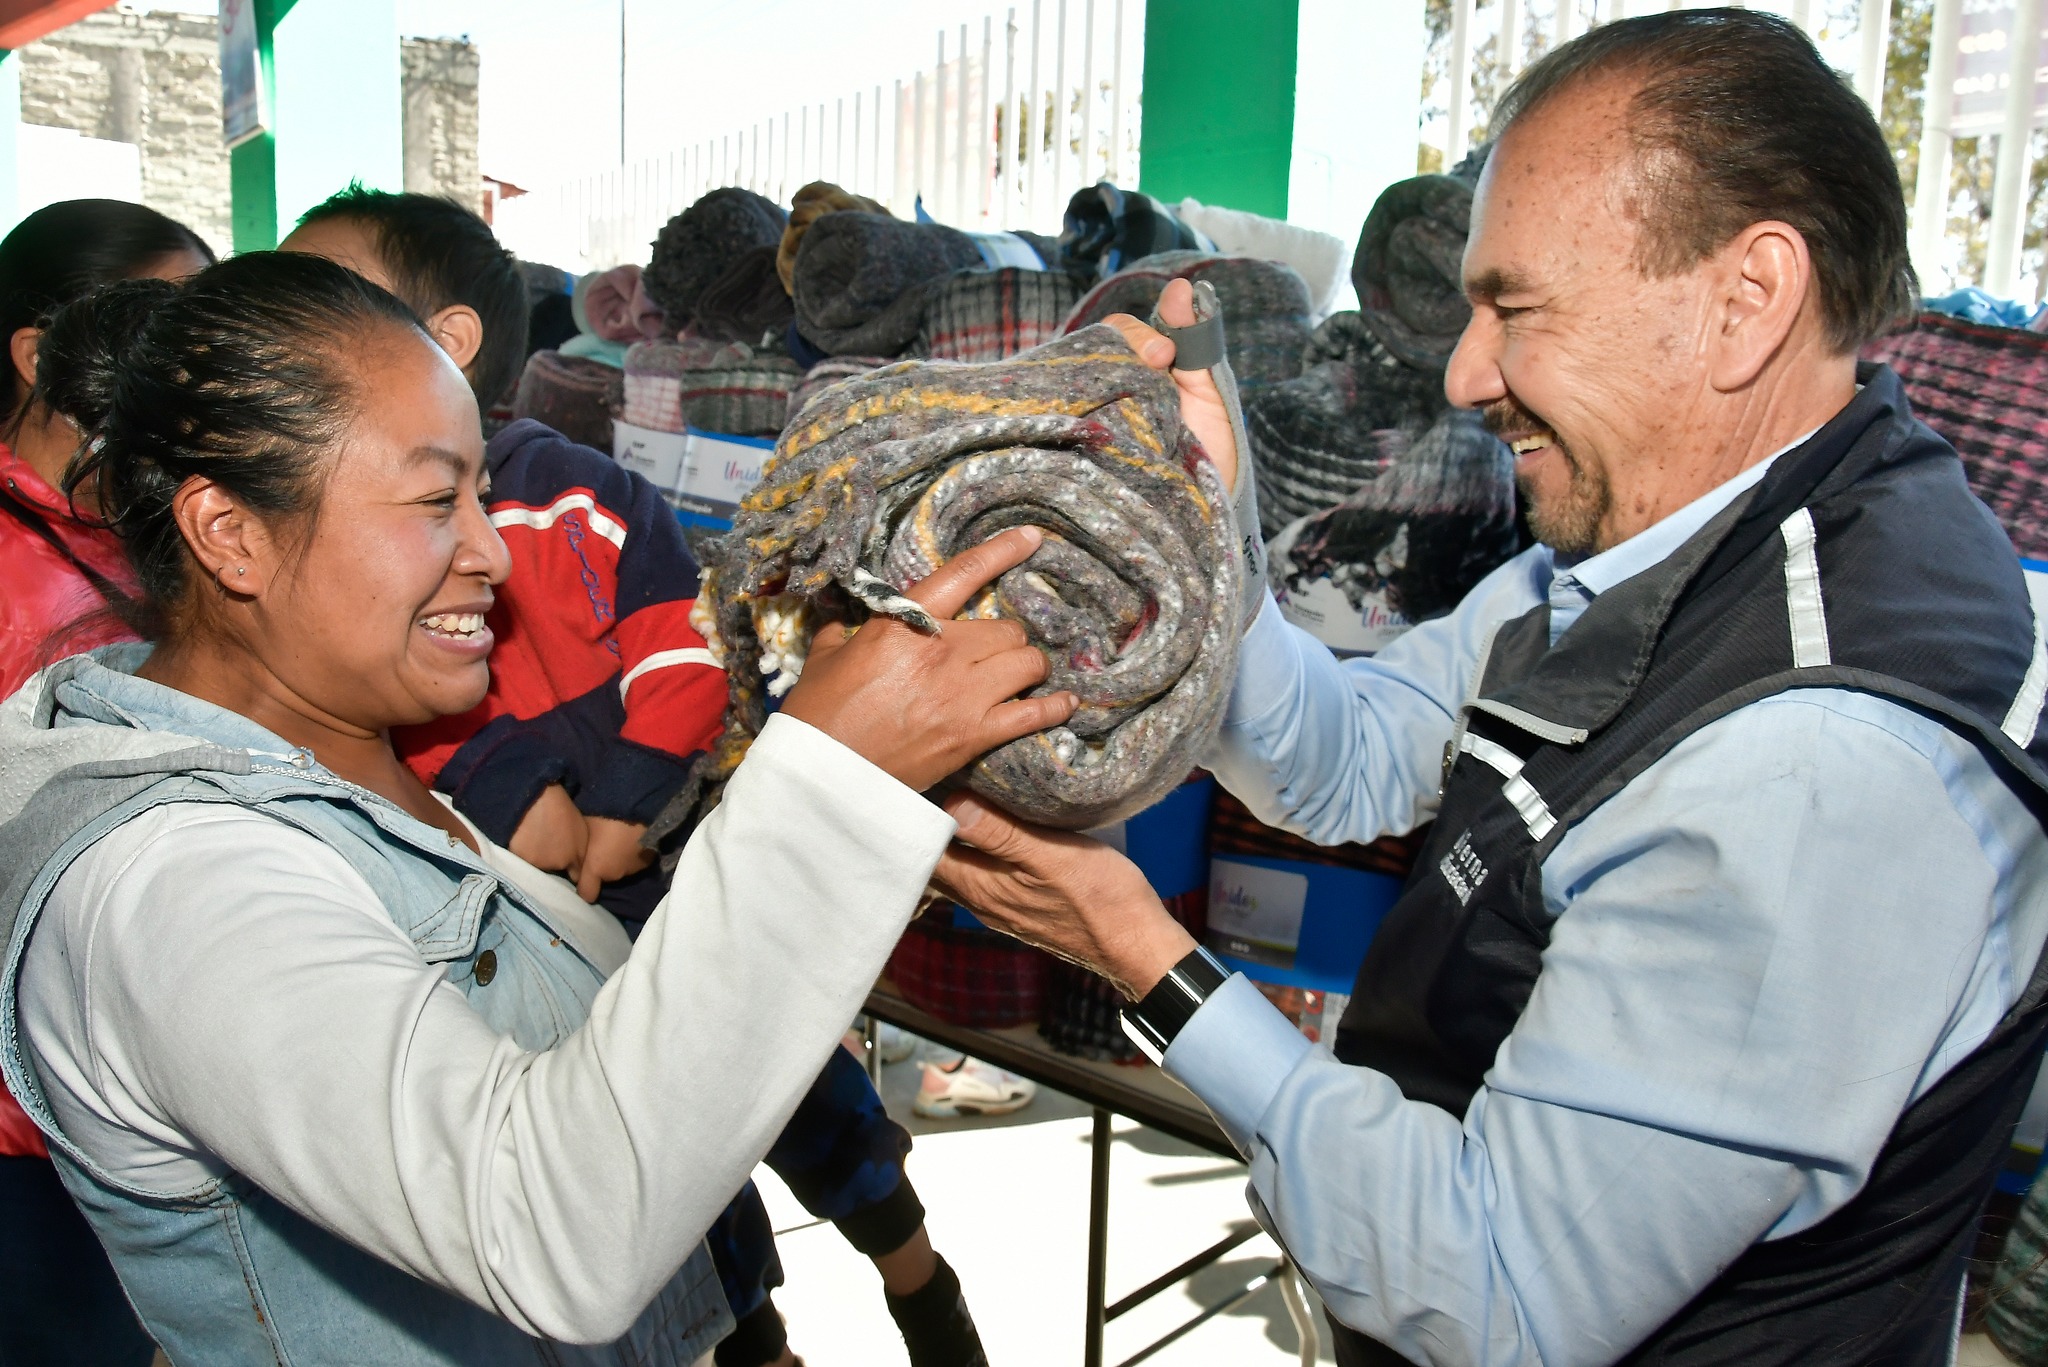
1098	1238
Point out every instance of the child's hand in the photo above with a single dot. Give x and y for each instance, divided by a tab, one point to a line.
552	834
612	852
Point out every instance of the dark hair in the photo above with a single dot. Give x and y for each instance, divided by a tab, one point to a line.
1739	121
68	249
440	254
239	374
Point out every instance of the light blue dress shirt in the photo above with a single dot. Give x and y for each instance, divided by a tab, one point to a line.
1766	947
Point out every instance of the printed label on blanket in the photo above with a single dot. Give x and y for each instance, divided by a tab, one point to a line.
1255	913
1325	612
655	456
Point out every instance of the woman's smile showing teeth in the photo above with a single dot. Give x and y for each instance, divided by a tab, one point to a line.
463	631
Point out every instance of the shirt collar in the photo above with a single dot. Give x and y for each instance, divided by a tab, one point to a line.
1598	573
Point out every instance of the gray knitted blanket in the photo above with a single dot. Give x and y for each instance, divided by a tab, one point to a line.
1133	597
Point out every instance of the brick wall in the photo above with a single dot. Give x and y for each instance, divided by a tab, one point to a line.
154	80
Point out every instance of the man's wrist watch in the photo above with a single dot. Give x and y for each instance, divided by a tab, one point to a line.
1153	1023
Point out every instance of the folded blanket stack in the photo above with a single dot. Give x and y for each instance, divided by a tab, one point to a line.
710	385
575	396
1265	307
1134	594
862	280
978	316
1107	229
702	243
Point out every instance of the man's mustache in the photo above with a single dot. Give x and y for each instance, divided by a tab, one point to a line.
1506	417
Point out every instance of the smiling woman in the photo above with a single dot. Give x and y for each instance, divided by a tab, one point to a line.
336	1079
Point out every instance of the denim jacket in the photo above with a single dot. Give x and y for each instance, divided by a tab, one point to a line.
226	1273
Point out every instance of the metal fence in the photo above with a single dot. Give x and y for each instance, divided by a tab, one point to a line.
1014	114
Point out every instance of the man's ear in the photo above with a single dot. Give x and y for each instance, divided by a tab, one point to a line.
21	349
460	332
1767	275
232	548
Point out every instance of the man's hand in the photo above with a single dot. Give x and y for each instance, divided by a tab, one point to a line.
921	707
612	852
1201	406
552	834
1063	892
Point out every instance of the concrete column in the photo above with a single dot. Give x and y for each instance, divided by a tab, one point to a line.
337	112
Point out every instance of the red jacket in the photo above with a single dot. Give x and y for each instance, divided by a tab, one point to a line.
48	563
598	681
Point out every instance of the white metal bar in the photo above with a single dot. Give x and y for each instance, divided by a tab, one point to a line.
2009	186
1116	100
839	140
1006	154
1090	170
936	182
983	197
1510	53
1567	17
1034	135
1460	77
1937	117
960	209
1060	193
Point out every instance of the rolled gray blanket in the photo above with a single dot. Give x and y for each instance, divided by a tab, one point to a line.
1408	267
746	303
702	242
1265	301
1134	595
862	280
577	397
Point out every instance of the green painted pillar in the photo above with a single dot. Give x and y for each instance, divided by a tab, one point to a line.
1297	109
1219	102
330	71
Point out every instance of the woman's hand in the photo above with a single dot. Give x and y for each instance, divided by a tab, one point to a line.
552	834
612	852
1063	892
1201	405
922	707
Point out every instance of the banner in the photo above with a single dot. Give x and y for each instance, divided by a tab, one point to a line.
243	115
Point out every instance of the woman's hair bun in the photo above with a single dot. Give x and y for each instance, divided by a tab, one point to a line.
91	343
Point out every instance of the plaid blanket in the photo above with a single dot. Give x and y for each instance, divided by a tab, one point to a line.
1985	389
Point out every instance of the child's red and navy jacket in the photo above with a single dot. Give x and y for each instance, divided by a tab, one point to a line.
598	681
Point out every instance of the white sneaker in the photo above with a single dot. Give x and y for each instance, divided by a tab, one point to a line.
970	1087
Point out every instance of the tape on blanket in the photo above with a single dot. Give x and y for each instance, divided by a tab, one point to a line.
1134	595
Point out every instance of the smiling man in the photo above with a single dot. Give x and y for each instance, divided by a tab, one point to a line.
1700	1030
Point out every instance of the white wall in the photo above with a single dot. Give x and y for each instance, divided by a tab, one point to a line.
340	111
53	164
1357	93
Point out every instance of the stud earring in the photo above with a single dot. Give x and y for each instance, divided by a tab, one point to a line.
241	570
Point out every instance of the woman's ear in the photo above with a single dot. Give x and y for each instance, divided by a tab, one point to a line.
231	546
21	349
460	332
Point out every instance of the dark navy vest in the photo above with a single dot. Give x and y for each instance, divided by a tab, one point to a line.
1861	560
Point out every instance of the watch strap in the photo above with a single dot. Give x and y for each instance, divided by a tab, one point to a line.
1155	1021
